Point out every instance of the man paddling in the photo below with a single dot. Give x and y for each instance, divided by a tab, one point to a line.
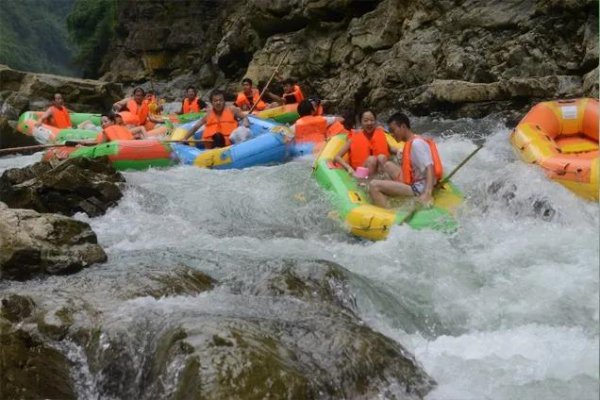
419	170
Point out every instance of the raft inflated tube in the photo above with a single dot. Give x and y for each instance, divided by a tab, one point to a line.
561	137
286	114
123	154
49	134
365	220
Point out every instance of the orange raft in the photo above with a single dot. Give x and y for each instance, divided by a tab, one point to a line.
562	138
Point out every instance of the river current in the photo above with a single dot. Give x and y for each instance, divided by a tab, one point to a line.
505	308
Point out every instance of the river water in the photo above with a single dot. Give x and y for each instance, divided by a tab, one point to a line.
505	308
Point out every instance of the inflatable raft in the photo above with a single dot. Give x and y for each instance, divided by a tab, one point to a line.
267	146
286	114
123	154
363	219
48	134
561	137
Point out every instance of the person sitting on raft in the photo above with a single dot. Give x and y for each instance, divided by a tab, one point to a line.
420	168
316	103
220	121
57	114
367	147
291	93
112	131
310	127
191	103
138	107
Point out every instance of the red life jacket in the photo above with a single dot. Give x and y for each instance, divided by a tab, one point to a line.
407	170
361	147
311	128
141	111
60	117
190	106
242	100
224	123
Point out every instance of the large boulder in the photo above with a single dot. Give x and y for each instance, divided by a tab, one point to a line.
71	186
33	244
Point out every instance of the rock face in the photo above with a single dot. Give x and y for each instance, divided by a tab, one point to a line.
71	186
21	91
208	339
458	58
32	244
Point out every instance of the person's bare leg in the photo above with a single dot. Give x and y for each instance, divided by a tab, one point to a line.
380	190
381	160
371	164
393	170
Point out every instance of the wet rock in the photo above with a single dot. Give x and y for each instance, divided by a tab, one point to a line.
16	308
176	281
71	186
34	244
32	369
243	345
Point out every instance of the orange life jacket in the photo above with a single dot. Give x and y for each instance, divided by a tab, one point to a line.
311	128
295	97
117	132
319	110
335	129
361	147
190	106
225	124
407	170
242	100
141	111
60	117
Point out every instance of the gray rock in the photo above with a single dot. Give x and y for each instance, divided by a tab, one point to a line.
71	186
34	244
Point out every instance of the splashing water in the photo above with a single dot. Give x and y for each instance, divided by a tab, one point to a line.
506	307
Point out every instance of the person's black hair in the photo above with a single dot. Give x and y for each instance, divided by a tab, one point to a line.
139	89
111	116
349	119
216	92
366	111
289	81
399	118
191	87
305	108
150	92
247	80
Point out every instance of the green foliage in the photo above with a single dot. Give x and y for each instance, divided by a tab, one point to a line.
91	26
33	36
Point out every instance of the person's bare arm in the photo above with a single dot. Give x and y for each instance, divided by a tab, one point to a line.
44	117
194	128
241	115
119	105
339	157
427	196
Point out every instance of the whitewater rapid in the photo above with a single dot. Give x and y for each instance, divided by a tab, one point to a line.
505	308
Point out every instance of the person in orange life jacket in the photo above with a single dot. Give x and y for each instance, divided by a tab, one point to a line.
316	103
220	121
112	131
419	170
191	103
138	106
310	127
291	93
248	96
154	106
57	114
366	147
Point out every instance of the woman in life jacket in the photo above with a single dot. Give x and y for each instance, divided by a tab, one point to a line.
366	147
57	114
419	170
111	130
220	121
310	127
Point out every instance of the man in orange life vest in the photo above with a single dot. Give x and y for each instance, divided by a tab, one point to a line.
220	121
57	114
310	127
419	170
291	93
136	105
192	103
367	147
249	96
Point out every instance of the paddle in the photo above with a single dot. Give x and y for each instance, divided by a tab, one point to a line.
68	143
269	81
438	185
